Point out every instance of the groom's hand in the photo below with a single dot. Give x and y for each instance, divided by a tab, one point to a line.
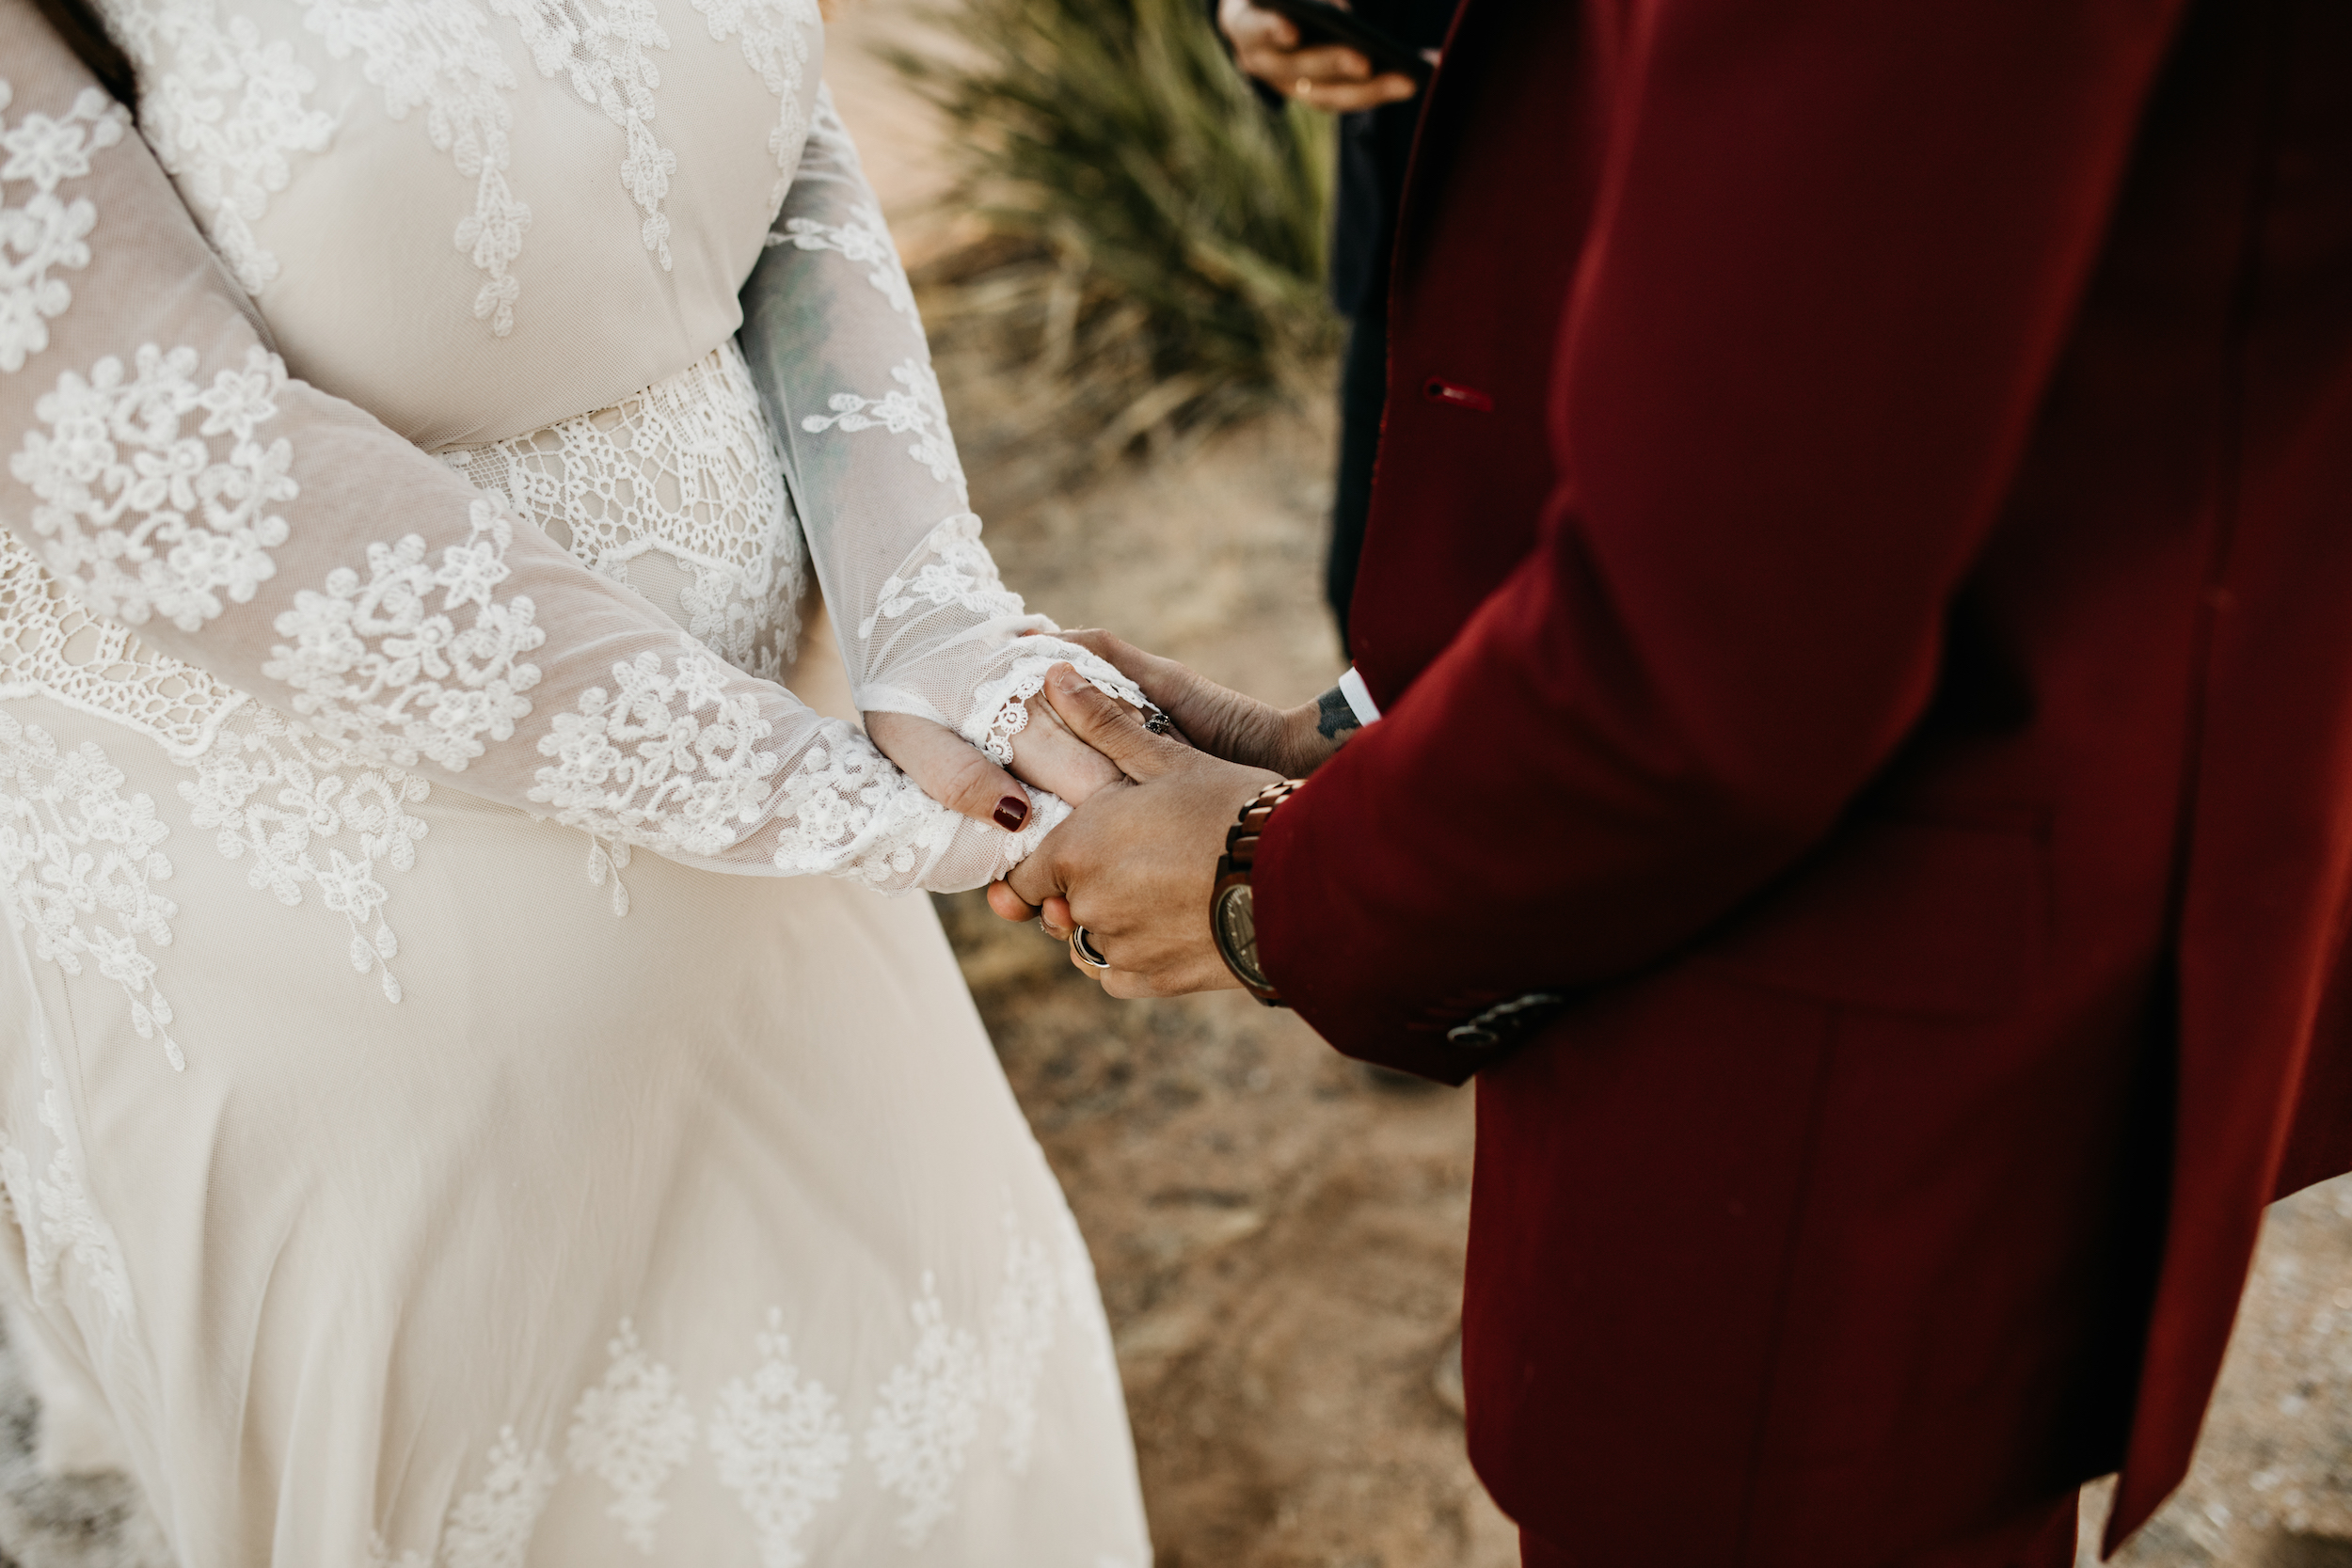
1135	863
1223	722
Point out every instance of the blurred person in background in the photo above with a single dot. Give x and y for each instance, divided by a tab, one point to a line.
1378	113
1849	743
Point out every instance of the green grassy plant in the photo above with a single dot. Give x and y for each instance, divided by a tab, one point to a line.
1143	240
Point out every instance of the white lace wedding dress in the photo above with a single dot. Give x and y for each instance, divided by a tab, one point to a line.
396	537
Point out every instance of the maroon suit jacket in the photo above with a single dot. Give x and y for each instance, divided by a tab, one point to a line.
1860	583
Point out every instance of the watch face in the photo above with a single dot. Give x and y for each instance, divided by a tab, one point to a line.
1237	934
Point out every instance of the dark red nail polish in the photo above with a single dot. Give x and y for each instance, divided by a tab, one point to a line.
1012	812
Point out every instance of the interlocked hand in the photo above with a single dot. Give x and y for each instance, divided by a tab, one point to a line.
1135	863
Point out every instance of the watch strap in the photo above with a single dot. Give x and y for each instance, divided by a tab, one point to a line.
1235	865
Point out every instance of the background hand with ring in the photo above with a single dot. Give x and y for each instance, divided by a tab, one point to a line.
1326	76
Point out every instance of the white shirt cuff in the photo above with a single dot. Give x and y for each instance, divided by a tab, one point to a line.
1359	697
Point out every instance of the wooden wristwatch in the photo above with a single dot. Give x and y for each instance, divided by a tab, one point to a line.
1233	917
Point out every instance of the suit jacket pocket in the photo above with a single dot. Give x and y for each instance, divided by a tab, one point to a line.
1908	915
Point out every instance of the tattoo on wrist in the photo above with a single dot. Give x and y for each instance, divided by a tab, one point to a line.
1335	721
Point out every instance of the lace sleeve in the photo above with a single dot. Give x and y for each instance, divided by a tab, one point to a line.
833	338
172	477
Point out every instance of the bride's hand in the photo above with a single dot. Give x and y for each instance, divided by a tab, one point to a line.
962	777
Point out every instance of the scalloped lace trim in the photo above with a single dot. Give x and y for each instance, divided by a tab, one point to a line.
50	644
1000	708
690	468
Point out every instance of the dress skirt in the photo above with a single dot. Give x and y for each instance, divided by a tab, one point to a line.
665	1216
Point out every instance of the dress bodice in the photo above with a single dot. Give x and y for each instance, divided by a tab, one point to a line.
474	218
576	601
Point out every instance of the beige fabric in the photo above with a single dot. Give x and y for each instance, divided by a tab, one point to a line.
418	1175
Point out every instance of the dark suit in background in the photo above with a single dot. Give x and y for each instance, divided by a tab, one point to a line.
1374	147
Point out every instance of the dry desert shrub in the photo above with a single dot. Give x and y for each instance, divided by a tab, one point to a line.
1139	241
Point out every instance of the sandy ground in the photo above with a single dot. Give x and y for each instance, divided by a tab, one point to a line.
1279	1233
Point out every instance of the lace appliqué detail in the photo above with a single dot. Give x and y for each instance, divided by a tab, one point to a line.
54	1213
285	799
1000	708
916	408
632	1430
491	1525
1021	1325
864	240
380	1555
643	763
780	1445
855	814
306	820
951	566
140	513
52	645
690	468
775	41
440	53
926	1416
70	1225
46	235
606	861
374	664
73	845
607	58
223	110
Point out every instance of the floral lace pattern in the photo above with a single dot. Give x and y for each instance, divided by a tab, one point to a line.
54	1210
607	58
308	818
927	1415
52	646
223	109
950	567
75	851
631	1431
915	408
439	55
145	515
47	235
780	1445
689	467
643	762
375	664
380	1555
1021	1326
775	35
849	806
864	240
776	1437
304	815
491	1525
70	1222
